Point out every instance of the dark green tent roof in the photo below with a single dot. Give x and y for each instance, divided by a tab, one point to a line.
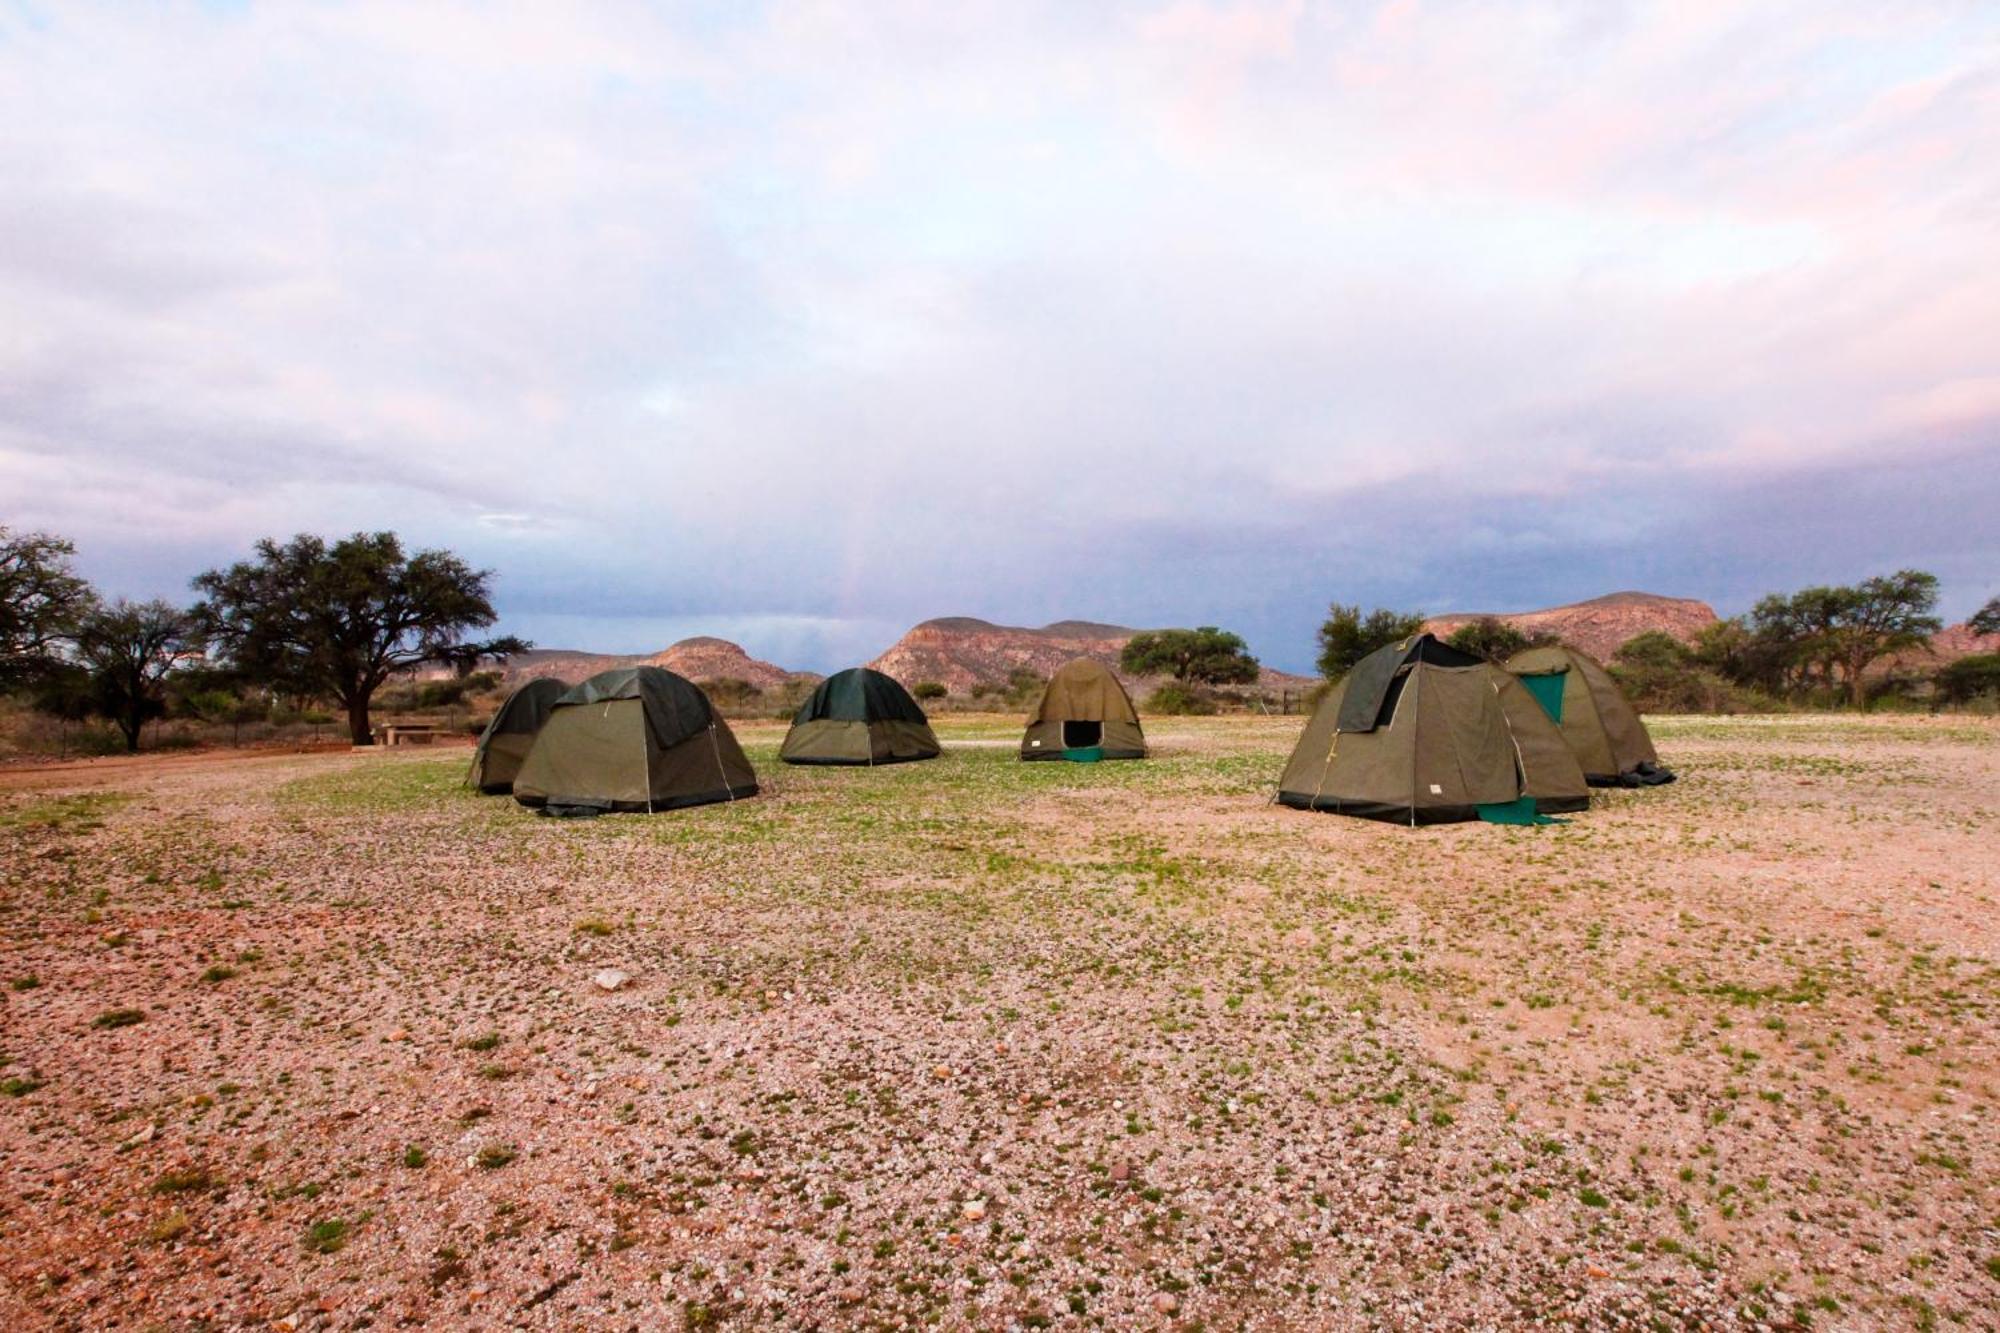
860	694
525	709
675	706
1370	680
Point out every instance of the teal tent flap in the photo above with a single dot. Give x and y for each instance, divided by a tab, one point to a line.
1084	754
1548	692
1521	811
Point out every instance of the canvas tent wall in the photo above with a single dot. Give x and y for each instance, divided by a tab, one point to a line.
859	716
1597	721
1421	733
511	734
1084	713
634	739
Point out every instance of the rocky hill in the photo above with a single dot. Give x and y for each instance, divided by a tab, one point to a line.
1601	625
699	659
1946	646
961	651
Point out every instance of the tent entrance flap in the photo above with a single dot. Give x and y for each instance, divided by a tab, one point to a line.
1078	735
1548	692
1521	811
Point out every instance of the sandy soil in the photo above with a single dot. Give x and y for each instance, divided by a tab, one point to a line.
314	1042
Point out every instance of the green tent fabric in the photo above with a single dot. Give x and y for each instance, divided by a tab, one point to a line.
1598	722
633	739
1521	811
505	743
859	716
1548	692
1084	715
1442	735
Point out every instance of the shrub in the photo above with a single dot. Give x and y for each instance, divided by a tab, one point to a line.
1179	701
930	689
1969	679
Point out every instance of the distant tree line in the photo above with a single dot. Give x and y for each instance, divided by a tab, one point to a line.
298	623
1816	646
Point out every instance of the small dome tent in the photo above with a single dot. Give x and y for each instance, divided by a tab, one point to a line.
1421	733
633	739
511	734
1084	715
1597	720
859	716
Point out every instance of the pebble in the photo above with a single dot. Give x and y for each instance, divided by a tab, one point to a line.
974	1209
1165	1303
609	979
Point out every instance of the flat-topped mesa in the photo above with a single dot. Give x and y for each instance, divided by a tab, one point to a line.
701	658
960	652
1600	626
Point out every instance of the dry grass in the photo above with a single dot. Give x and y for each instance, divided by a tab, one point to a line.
978	1043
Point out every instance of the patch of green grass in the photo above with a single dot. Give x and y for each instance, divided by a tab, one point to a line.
415	1158
19	1087
219	973
118	1018
494	1156
326	1237
488	1042
28	982
81	813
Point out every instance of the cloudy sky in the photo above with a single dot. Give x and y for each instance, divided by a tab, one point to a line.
798	322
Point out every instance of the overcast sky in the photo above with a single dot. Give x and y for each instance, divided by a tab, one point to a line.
799	322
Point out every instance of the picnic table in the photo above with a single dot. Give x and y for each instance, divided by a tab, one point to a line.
406	733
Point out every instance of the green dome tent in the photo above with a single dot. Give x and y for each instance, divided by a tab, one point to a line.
511	734
859	716
633	739
1421	733
1084	715
1597	720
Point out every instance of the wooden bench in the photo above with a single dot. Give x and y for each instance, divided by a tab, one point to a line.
406	733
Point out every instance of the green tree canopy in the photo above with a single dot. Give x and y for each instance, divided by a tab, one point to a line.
1348	636
339	619
1204	656
41	600
1494	639
1986	620
1826	638
1655	648
129	649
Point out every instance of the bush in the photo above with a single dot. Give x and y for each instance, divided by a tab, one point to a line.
1970	679
930	689
1179	701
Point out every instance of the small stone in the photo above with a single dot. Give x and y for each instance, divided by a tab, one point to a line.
609	979
1121	1172
850	1295
974	1209
1165	1303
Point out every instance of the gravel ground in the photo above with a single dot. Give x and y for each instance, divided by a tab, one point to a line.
318	1042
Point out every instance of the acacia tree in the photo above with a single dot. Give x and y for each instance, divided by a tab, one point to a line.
1828	637
340	619
1881	616
1348	636
1986	620
129	649
1204	656
41	598
1495	639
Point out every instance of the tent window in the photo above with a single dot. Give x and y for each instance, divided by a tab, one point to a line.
1082	735
1390	698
